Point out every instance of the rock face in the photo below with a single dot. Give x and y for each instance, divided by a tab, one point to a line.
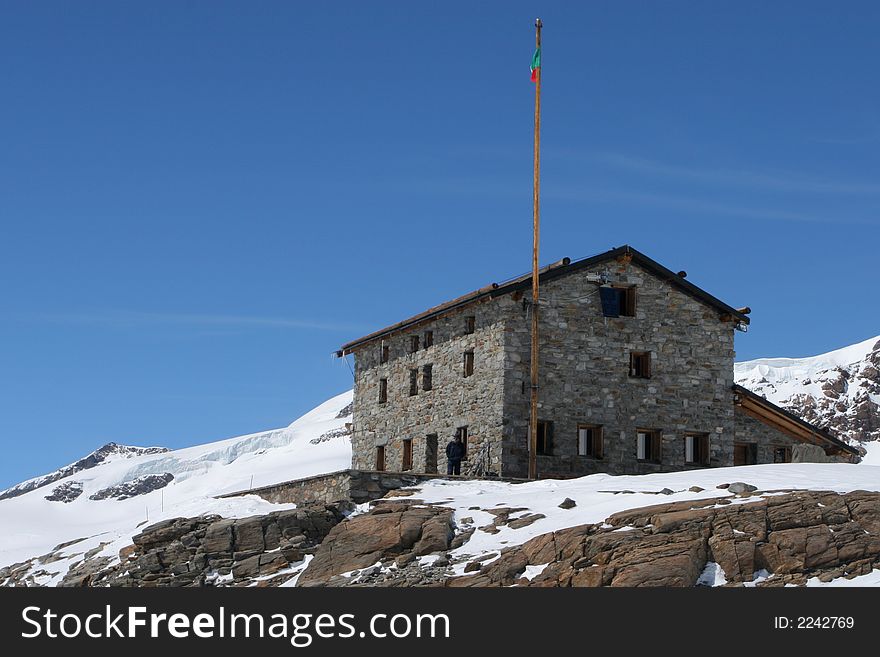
66	492
398	532
135	487
110	450
792	536
210	550
838	391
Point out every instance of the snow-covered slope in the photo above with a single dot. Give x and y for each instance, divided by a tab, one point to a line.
838	391
32	525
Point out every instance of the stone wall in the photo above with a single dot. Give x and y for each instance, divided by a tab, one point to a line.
454	400
585	375
748	429
326	488
357	486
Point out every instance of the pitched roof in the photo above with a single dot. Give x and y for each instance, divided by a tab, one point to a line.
562	268
777	417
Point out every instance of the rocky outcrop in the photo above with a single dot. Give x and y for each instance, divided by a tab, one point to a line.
210	550
789	537
99	456
66	492
139	486
396	533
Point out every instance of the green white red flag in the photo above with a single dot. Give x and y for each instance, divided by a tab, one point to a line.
536	64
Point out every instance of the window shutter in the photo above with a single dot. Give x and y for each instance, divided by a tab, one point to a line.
689	449
610	298
656	446
548	438
582	442
597	442
640	446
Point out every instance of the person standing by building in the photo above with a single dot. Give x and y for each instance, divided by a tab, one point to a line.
454	455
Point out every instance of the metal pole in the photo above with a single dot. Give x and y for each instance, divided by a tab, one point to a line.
533	415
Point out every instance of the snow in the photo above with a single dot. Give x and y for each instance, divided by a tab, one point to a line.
599	496
871	579
33	526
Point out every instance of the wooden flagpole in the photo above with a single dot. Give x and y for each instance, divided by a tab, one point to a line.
533	415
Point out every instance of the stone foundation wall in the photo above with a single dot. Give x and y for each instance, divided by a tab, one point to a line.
357	486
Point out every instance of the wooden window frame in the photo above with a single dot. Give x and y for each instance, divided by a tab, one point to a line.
627	300
383	391
380	458
544	446
463	432
413	381
384	353
701	449
406	456
413	344
640	364
428	377
595	446
428	339
653	444
787	450
468	364
470	325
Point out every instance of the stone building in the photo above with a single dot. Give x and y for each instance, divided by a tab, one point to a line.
636	376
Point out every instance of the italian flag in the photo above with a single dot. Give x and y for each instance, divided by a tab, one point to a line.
536	64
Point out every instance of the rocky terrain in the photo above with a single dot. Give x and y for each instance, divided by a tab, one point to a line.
201	551
838	391
744	538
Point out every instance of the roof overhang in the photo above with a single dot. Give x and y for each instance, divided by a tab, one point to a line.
788	423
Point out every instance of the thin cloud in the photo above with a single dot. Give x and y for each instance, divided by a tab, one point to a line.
135	319
691	205
772	180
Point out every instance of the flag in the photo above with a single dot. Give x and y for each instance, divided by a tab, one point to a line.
536	64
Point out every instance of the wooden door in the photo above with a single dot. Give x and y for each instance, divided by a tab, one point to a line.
431	447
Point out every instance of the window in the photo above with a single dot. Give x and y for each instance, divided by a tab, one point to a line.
545	438
413	344
380	458
406	459
782	454
429	339
745	453
696	448
470	323
463	432
590	441
413	382
618	301
383	391
427	377
383	354
468	363
648	445
640	364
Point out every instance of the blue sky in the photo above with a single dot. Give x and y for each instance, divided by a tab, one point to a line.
200	201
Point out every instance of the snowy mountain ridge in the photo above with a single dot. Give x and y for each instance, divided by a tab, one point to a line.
101	456
838	391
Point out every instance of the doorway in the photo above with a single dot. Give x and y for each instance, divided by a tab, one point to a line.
745	453
431	447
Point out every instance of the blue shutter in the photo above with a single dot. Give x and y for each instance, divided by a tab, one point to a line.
610	301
